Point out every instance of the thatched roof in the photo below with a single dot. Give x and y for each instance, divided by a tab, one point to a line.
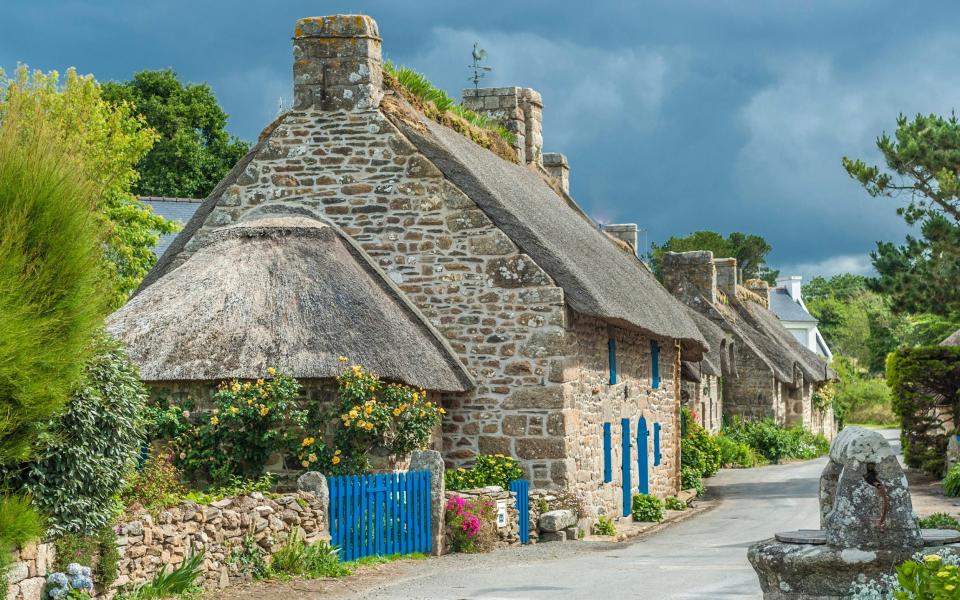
598	278
952	340
287	291
716	361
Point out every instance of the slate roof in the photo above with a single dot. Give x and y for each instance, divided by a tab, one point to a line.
788	309
281	289
598	278
173	209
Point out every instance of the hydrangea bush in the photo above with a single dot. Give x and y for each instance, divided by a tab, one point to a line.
77	582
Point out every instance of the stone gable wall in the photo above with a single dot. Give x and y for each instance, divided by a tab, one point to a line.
500	312
590	401
753	393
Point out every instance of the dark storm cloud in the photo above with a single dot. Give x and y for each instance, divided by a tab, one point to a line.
676	115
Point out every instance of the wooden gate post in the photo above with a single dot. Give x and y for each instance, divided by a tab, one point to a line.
430	460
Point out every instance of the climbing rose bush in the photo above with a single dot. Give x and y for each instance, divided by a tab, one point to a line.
466	522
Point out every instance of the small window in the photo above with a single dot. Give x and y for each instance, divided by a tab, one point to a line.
607	454
656	444
612	358
654	364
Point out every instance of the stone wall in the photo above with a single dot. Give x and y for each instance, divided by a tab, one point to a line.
509	534
704	398
590	401
753	393
149	544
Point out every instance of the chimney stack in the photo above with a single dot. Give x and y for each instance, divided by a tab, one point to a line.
688	275
518	110
624	231
793	285
727	276
337	64
760	288
558	168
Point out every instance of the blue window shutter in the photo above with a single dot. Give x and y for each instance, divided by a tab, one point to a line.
612	357
654	364
656	444
607	454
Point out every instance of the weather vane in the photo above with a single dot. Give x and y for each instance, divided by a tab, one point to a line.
479	71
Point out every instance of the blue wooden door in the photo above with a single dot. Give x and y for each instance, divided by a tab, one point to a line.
521	487
626	482
379	514
643	460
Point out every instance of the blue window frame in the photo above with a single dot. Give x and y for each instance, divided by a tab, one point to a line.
654	364
607	454
612	359
656	444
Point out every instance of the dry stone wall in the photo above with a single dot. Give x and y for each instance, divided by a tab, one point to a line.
590	401
220	530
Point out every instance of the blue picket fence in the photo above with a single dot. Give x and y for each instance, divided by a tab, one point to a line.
521	488
380	514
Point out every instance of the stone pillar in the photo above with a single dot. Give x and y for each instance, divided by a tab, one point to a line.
690	274
315	482
727	276
518	110
557	166
337	63
624	231
431	460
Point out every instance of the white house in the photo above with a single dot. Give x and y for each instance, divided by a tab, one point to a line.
786	302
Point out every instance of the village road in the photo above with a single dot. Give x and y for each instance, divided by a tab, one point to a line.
703	557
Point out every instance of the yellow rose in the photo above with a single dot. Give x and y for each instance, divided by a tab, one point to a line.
443	412
271	371
305	464
337	452
308	441
342	359
214	420
396	412
368	410
249	402
260	382
235	387
335	460
264	410
234	410
246	386
312	458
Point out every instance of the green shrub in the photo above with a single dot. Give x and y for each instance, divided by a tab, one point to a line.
605	526
951	483
647	507
168	584
91	447
930	579
247	558
19	524
674	503
98	549
690	480
920	380
737	454
699	450
775	443
940	521
489	469
297	559
155	487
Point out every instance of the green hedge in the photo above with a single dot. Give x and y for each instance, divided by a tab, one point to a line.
922	379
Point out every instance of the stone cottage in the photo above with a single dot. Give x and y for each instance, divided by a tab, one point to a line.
280	288
702	387
775	375
571	341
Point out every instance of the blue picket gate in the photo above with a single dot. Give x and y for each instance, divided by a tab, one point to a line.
521	488
380	514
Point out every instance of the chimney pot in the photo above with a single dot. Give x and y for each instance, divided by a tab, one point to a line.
624	231
337	63
727	276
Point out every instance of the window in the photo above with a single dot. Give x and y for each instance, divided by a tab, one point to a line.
656	444
654	364
612	359
607	454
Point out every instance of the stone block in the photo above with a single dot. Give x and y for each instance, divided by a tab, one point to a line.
32	589
490	444
553	536
533	448
18	572
539	397
557	520
516	271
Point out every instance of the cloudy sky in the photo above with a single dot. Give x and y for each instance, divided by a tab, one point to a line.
676	115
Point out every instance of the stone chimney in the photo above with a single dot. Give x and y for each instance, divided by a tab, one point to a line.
518	110
760	288
557	166
793	285
727	276
690	274
337	64
624	231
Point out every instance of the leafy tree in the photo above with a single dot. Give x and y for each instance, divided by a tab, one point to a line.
108	140
194	151
749	250
922	166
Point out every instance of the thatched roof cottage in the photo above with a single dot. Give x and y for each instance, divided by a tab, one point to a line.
776	376
570	339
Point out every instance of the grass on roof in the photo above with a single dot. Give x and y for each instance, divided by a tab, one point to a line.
420	87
